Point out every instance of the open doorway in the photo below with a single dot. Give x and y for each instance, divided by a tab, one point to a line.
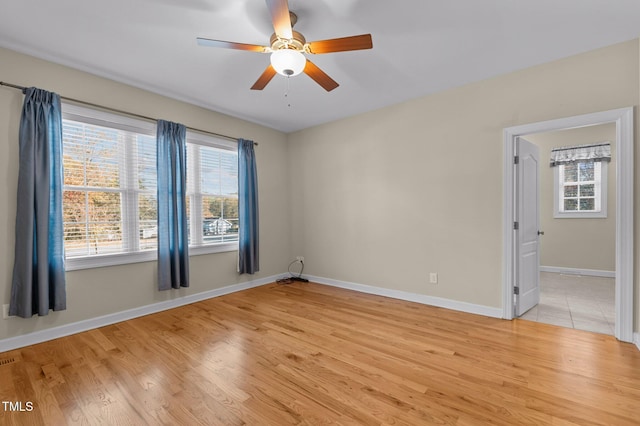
622	119
577	246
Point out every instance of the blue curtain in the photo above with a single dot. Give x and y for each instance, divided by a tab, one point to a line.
38	282
248	258
173	243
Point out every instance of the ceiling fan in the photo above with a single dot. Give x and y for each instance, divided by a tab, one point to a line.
287	48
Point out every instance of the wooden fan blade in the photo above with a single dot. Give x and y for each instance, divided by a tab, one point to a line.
264	79
279	10
320	76
343	44
231	45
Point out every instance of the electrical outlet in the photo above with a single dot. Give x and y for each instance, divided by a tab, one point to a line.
300	258
433	278
5	311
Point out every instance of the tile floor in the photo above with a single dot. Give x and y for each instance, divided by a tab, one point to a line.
575	301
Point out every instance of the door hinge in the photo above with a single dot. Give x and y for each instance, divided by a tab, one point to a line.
516	159
516	290
516	226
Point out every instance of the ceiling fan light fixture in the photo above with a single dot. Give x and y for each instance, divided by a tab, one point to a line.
288	62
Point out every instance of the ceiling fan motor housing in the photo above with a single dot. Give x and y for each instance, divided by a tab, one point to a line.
296	43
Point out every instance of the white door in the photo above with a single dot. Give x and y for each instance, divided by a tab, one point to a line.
527	273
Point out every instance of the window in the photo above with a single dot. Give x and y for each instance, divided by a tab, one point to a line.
581	189
212	191
109	199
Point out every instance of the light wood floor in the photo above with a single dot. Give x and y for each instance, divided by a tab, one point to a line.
312	354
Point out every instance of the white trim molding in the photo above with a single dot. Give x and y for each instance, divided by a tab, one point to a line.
440	302
636	340
578	271
89	324
623	119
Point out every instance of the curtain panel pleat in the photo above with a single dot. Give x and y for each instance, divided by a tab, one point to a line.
248	255
580	153
173	243
38	282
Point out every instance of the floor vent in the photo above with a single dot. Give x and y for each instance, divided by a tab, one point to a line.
7	361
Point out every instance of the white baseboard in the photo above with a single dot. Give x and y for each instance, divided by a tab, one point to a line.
636	340
577	271
77	327
412	297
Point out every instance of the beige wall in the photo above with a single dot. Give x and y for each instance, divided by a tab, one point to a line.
95	292
382	198
576	243
386	197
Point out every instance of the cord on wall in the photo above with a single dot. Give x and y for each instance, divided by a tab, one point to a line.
292	277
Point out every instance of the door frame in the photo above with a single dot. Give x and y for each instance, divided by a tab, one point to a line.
623	118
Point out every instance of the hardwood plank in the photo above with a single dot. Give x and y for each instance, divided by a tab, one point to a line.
313	354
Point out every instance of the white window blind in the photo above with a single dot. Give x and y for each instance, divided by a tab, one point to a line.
212	190
109	204
110	190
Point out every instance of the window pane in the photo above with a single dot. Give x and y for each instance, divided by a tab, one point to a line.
220	207
148	216
97	229
147	176
148	209
570	205
570	173
91	155
219	171
229	173
76	248
587	190
74	220
110	178
73	155
586	171
101	157
571	191
220	219
104	214
580	190
213	184
587	204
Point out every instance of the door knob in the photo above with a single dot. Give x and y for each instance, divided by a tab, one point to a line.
540	232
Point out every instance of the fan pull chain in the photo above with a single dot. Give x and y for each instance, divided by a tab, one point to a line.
286	93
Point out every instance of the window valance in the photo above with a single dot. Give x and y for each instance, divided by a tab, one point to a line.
581	153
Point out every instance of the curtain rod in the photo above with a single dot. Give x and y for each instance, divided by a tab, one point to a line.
143	117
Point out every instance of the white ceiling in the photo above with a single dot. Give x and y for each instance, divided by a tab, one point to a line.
419	47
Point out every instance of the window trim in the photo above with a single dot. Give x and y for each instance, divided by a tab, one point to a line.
97	117
557	195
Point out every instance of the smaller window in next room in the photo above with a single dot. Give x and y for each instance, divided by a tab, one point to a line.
581	190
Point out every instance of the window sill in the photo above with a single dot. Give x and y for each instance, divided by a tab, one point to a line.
583	215
214	248
90	262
